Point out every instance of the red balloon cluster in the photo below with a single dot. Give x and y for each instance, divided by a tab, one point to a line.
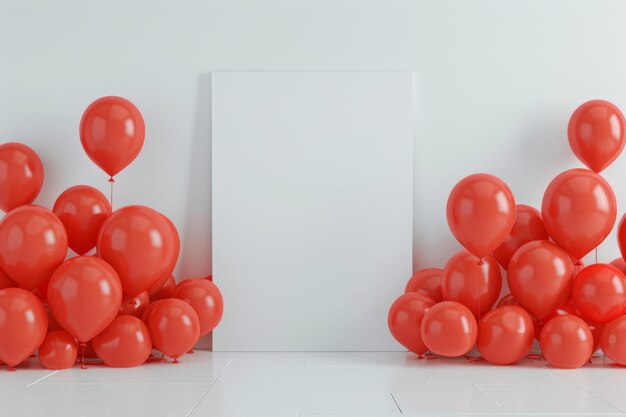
116	305
571	309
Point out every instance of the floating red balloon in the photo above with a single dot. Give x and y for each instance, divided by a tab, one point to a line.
472	283
82	210
566	342
540	277
405	320
480	213
599	293
174	327
134	306
206	300
505	335
21	175
23	325
528	226
428	282
141	244
449	329
33	243
84	296
579	210
125	343
112	132
58	350
613	340
596	133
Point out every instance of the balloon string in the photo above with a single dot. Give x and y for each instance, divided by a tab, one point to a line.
596	255
82	356
111	181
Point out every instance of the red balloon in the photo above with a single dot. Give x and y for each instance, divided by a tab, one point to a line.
505	335
579	210
621	236
134	306
6	281
23	325
427	281
405	320
82	210
162	289
613	340
596	333
476	286
480	213
540	277
145	317
596	133
206	300
21	175
174	327
599	293
112	132
567	307
125	343
142	246
566	342
84	296
619	264
528	226
449	329
33	243
58	351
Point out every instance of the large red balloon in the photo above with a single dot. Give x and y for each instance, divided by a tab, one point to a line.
528	226
428	282
125	343
82	210
84	296
579	210
596	133
33	243
174	327
134	306
473	284
23	325
613	340
112	132
449	329
540	277
480	213
599	293
21	175
206	300
141	244
566	342
405	320
58	350
505	335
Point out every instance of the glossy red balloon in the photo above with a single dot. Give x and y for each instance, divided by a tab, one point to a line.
21	175
84	296
145	317
134	306
566	342
481	213
82	210
206	300
528	226
505	335
540	277
599	293
33	243
174	327
23	325
449	329
579	210
613	340
6	281
125	343
405	320
428	282
112	132
475	285
58	350
142	246
596	133
162	289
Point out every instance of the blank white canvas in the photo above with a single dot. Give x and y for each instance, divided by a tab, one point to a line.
312	207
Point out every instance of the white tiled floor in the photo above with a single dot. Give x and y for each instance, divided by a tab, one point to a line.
315	385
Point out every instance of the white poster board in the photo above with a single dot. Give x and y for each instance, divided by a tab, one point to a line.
312	207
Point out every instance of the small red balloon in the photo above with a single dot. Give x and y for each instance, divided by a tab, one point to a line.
134	306
206	300
174	327
427	281
125	343
528	226
599	293
58	350
449	329
21	175
405	320
505	335
566	342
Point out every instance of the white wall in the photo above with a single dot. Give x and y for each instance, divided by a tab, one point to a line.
497	81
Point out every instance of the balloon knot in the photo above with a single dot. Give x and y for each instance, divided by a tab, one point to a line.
83	344
190	351
11	369
176	361
578	263
480	262
111	179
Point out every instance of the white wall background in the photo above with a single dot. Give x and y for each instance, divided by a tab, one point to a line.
497	81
